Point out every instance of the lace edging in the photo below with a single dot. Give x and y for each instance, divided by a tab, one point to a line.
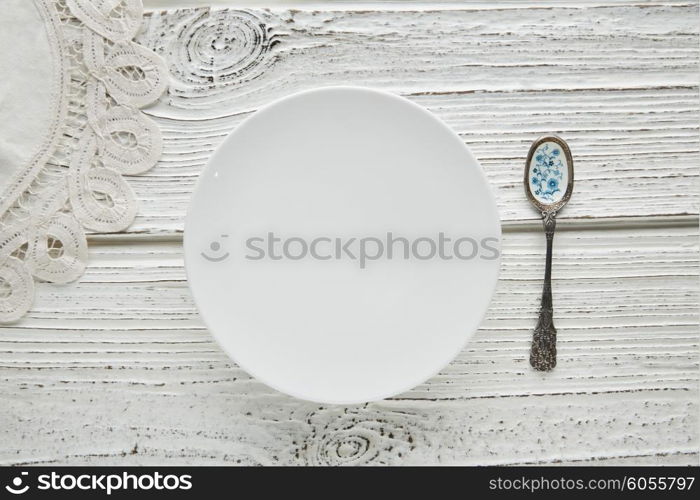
106	79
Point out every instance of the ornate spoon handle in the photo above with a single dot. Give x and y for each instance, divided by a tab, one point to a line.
543	354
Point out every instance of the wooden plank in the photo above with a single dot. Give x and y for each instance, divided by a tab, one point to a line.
381	4
121	361
618	81
157	427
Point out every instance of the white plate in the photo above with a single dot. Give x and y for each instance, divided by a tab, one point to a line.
326	166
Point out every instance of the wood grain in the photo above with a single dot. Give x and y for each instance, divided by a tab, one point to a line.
618	81
119	369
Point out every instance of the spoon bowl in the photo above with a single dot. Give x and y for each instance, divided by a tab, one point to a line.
549	173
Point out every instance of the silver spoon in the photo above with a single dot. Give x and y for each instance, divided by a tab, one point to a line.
549	181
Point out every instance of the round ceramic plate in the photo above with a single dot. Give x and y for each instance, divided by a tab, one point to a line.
342	245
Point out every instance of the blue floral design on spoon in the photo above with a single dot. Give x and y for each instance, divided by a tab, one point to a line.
548	173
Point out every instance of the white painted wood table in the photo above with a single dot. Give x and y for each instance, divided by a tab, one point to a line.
119	369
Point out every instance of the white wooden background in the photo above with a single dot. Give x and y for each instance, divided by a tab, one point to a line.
118	368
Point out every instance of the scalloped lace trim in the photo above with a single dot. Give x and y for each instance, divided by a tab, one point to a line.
101	134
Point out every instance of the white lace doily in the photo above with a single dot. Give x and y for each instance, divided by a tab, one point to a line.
73	83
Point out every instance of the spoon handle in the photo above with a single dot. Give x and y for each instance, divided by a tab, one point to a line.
543	354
